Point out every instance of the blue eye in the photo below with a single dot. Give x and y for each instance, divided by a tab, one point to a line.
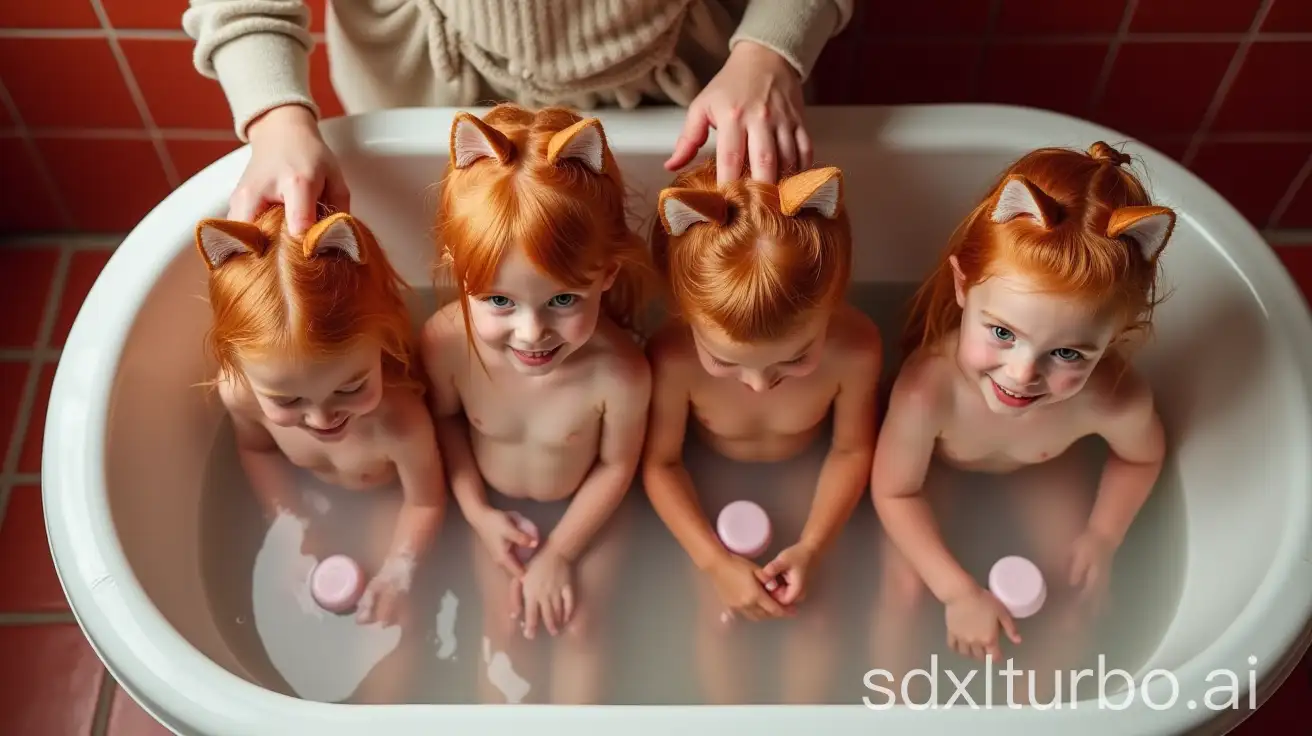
562	300
1067	354
1002	333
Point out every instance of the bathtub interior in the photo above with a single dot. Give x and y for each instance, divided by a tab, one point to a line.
1229	393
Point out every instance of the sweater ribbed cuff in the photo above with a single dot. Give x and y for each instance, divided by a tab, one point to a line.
795	29
261	71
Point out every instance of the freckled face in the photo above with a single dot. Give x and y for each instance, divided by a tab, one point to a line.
1026	348
763	365
321	397
530	319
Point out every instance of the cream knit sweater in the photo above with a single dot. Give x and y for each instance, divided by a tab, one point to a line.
393	53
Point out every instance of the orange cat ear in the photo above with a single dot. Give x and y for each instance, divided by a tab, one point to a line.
1148	227
337	232
217	240
680	209
1021	198
816	189
472	140
583	141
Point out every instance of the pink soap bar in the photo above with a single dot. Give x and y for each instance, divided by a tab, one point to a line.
744	528
337	583
524	553
1018	583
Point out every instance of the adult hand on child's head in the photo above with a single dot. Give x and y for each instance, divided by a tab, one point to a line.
755	105
289	164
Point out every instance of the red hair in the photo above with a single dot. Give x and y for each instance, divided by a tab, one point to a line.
309	297
753	258
545	181
1081	224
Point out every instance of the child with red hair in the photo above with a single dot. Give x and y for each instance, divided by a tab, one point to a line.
317	367
540	389
1017	348
764	350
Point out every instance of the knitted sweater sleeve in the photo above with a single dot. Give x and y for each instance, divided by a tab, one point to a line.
258	50
795	29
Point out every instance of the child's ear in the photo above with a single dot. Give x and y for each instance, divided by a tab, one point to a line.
472	139
217	240
583	141
958	281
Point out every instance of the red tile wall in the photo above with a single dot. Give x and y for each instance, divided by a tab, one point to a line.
91	89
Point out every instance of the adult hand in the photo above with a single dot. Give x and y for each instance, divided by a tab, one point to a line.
290	164
755	105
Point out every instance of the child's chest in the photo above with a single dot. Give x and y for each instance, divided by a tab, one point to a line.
538	414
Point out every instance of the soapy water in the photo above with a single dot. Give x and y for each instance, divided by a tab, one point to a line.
255	574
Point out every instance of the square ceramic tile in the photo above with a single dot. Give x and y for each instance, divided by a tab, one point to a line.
83	270
31	585
1252	176
916	72
126	718
926	16
49	14
1060	16
1271	91
176	94
28	204
26	274
1058	76
1289	16
127	182
30	459
51	680
90	89
1163	87
190	157
1194	16
13	376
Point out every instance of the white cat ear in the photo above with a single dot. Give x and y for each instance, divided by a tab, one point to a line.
337	232
472	140
1021	198
1149	227
816	189
218	240
583	141
680	209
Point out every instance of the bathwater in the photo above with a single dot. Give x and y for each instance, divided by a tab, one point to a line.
255	577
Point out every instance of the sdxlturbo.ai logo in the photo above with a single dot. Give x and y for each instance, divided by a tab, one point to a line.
1116	688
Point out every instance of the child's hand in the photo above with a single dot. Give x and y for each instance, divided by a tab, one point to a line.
1091	566
385	597
500	534
290	164
545	592
793	564
745	589
973	620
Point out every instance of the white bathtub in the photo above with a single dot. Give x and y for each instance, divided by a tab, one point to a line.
127	434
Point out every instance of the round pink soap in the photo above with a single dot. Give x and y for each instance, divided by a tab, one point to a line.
744	528
524	553
337	583
1018	583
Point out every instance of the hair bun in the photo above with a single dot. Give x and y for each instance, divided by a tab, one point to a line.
1103	152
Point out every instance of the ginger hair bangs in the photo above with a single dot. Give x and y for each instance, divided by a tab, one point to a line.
1081	224
304	298
752	258
545	181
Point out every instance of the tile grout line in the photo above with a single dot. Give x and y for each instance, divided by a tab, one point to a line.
104	703
1109	61
134	89
1283	204
1223	87
42	168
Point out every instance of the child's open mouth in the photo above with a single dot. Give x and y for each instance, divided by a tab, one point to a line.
1010	398
535	357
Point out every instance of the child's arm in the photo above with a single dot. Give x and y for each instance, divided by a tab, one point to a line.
1137	445
626	387
846	469
902	458
419	466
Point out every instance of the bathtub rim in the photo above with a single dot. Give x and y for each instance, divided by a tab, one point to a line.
167	673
